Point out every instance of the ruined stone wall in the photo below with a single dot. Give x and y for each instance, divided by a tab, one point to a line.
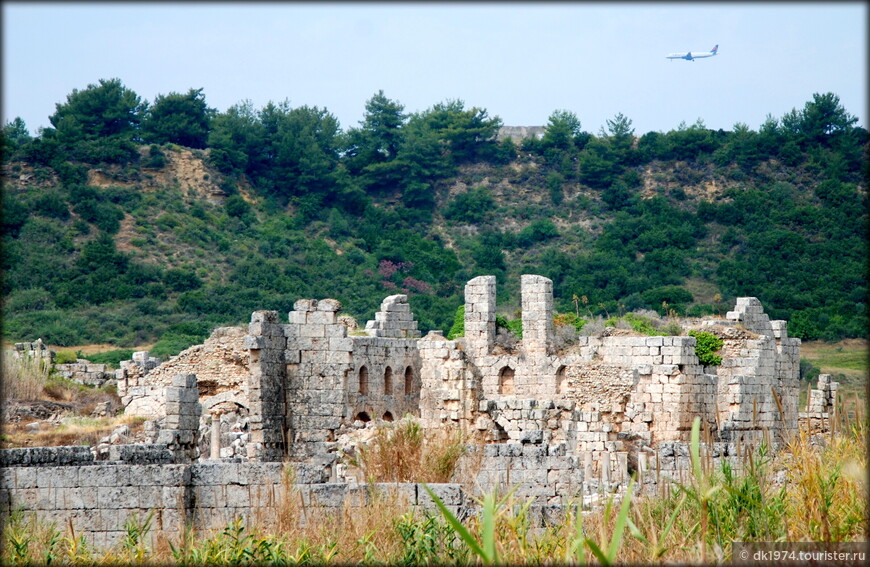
83	372
394	320
393	373
546	475
318	357
220	365
759	375
626	390
308	382
450	386
98	499
333	379
287	389
537	315
821	406
180	432
480	315
35	349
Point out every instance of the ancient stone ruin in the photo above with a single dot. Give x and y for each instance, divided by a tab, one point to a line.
557	423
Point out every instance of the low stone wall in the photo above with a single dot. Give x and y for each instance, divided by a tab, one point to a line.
67	487
83	372
97	499
138	454
545	474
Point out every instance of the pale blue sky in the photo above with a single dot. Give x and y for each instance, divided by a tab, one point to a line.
520	61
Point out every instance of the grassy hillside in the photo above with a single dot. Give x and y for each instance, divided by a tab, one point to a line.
139	253
114	232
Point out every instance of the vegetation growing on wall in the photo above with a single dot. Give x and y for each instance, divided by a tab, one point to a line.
706	346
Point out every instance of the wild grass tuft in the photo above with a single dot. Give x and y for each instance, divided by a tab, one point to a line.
23	378
404	452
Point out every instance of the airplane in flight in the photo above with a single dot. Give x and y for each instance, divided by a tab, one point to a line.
697	55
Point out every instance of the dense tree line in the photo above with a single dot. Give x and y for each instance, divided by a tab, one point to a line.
320	197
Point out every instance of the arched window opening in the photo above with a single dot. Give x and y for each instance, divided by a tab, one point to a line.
506	381
409	381
561	381
388	416
364	381
363	417
388	381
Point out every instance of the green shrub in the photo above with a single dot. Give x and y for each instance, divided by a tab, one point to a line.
706	346
156	158
641	324
515	326
65	357
670	294
573	319
51	204
538	231
180	279
170	344
470	207
458	328
31	299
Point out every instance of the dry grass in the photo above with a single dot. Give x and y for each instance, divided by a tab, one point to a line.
23	378
70	431
823	498
827	488
405	452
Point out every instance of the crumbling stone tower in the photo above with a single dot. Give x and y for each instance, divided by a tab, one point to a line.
267	343
537	313
480	315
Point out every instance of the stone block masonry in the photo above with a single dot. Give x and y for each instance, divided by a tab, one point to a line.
644	390
605	404
97	499
83	372
480	315
266	342
537	314
36	349
180	431
394	320
821	406
558	425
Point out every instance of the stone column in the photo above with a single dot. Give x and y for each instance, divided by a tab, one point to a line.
587	467
537	307
215	436
604	463
480	315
